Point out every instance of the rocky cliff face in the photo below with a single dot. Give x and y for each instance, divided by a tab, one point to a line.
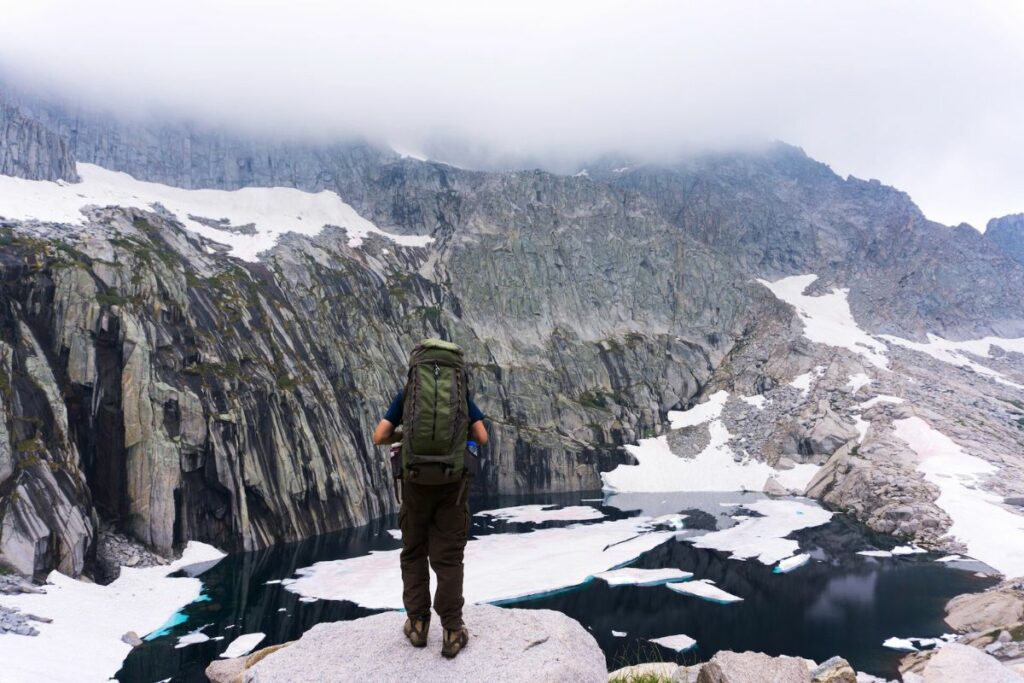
28	149
1007	233
211	398
157	383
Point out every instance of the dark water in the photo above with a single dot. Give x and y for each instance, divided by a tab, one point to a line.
845	604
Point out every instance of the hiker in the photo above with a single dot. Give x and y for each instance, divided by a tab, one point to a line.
440	420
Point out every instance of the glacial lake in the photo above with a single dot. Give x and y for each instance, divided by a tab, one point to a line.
838	603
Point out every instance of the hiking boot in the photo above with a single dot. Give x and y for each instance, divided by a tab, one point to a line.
416	631
454	641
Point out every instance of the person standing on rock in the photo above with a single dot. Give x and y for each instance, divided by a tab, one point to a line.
440	420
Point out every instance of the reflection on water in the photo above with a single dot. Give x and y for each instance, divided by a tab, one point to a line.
841	604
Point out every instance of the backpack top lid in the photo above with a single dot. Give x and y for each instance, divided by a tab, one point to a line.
441	344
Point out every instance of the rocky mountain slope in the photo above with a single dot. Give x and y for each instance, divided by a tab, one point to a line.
152	379
1007	233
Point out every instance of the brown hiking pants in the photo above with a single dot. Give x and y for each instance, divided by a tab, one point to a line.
434	522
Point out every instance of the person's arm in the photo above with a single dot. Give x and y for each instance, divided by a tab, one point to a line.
386	433
478	433
387	430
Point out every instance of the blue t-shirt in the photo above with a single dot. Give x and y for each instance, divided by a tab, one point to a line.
394	414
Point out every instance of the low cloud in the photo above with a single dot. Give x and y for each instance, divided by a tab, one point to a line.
926	96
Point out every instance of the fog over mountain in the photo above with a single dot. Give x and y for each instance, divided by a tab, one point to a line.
536	84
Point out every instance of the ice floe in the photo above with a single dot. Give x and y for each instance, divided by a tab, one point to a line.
94	617
991	533
619	634
243	645
788	564
895	552
631	576
765	537
270	211
827	318
704	589
679	642
535	514
499	567
901	644
916	644
194	637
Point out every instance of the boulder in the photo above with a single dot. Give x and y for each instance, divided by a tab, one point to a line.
995	608
232	670
505	645
835	670
956	662
753	667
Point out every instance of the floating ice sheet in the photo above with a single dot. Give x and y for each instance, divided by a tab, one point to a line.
94	617
242	645
535	514
272	211
499	567
765	537
679	643
790	563
705	589
991	532
631	576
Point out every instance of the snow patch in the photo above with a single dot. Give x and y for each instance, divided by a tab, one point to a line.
827	318
757	400
713	469
857	381
706	590
271	211
958	353
499	567
535	514
765	537
630	576
803	382
881	398
992	533
93	618
700	413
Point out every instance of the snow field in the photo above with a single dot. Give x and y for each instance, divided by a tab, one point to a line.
94	618
273	211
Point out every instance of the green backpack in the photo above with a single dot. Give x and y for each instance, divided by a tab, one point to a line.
435	413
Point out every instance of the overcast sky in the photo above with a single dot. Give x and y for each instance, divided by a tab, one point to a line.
927	96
